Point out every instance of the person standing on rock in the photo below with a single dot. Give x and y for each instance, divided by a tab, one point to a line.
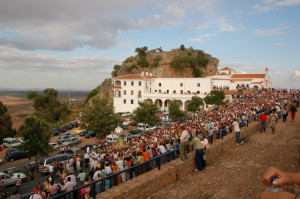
236	128
263	119
198	147
183	144
273	121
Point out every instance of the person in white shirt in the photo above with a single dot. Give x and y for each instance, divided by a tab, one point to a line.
68	187
206	149
183	144
51	169
236	128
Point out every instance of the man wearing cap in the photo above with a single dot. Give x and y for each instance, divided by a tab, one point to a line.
35	195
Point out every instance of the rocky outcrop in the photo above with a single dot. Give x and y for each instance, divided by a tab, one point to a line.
159	64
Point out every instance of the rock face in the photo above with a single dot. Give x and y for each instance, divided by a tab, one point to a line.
162	68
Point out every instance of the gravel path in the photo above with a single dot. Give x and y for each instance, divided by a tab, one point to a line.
237	173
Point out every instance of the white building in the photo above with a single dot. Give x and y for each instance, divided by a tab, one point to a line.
130	89
227	78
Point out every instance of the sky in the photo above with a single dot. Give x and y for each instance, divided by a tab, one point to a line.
74	44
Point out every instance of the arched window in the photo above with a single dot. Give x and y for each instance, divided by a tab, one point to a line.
132	83
117	83
124	83
124	92
140	83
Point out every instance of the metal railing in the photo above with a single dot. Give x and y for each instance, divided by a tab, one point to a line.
100	185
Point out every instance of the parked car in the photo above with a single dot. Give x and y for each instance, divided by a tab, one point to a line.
82	133
120	113
127	122
79	130
71	141
126	114
136	131
145	127
55	131
10	150
11	142
69	134
133	123
45	162
75	124
90	134
11	177
54	145
74	150
16	155
124	127
61	139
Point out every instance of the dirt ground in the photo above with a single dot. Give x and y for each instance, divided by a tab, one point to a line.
18	108
237	173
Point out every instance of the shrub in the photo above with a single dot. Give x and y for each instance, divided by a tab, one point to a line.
129	59
197	72
143	62
182	47
156	60
181	62
131	67
202	61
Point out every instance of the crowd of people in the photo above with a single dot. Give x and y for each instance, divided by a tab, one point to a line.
195	130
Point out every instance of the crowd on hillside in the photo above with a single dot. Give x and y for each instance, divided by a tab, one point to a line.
105	161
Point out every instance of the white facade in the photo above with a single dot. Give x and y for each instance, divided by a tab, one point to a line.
130	89
228	79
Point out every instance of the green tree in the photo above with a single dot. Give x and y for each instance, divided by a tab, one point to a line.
215	97
131	67
175	111
47	106
145	113
91	94
100	117
35	132
182	47
5	123
156	60
114	73
195	104
141	51
159	49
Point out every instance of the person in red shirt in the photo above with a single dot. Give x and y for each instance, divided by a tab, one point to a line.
263	119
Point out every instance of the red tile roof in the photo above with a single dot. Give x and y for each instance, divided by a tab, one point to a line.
241	80
135	76
248	76
117	87
226	68
256	82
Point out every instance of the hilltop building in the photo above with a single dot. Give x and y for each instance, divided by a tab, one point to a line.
128	90
228	79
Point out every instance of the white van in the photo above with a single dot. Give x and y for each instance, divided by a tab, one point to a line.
112	138
11	142
147	128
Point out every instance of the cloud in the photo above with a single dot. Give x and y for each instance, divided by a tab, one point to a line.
201	38
295	75
200	26
243	72
67	25
268	5
230	28
270	32
278	44
14	59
